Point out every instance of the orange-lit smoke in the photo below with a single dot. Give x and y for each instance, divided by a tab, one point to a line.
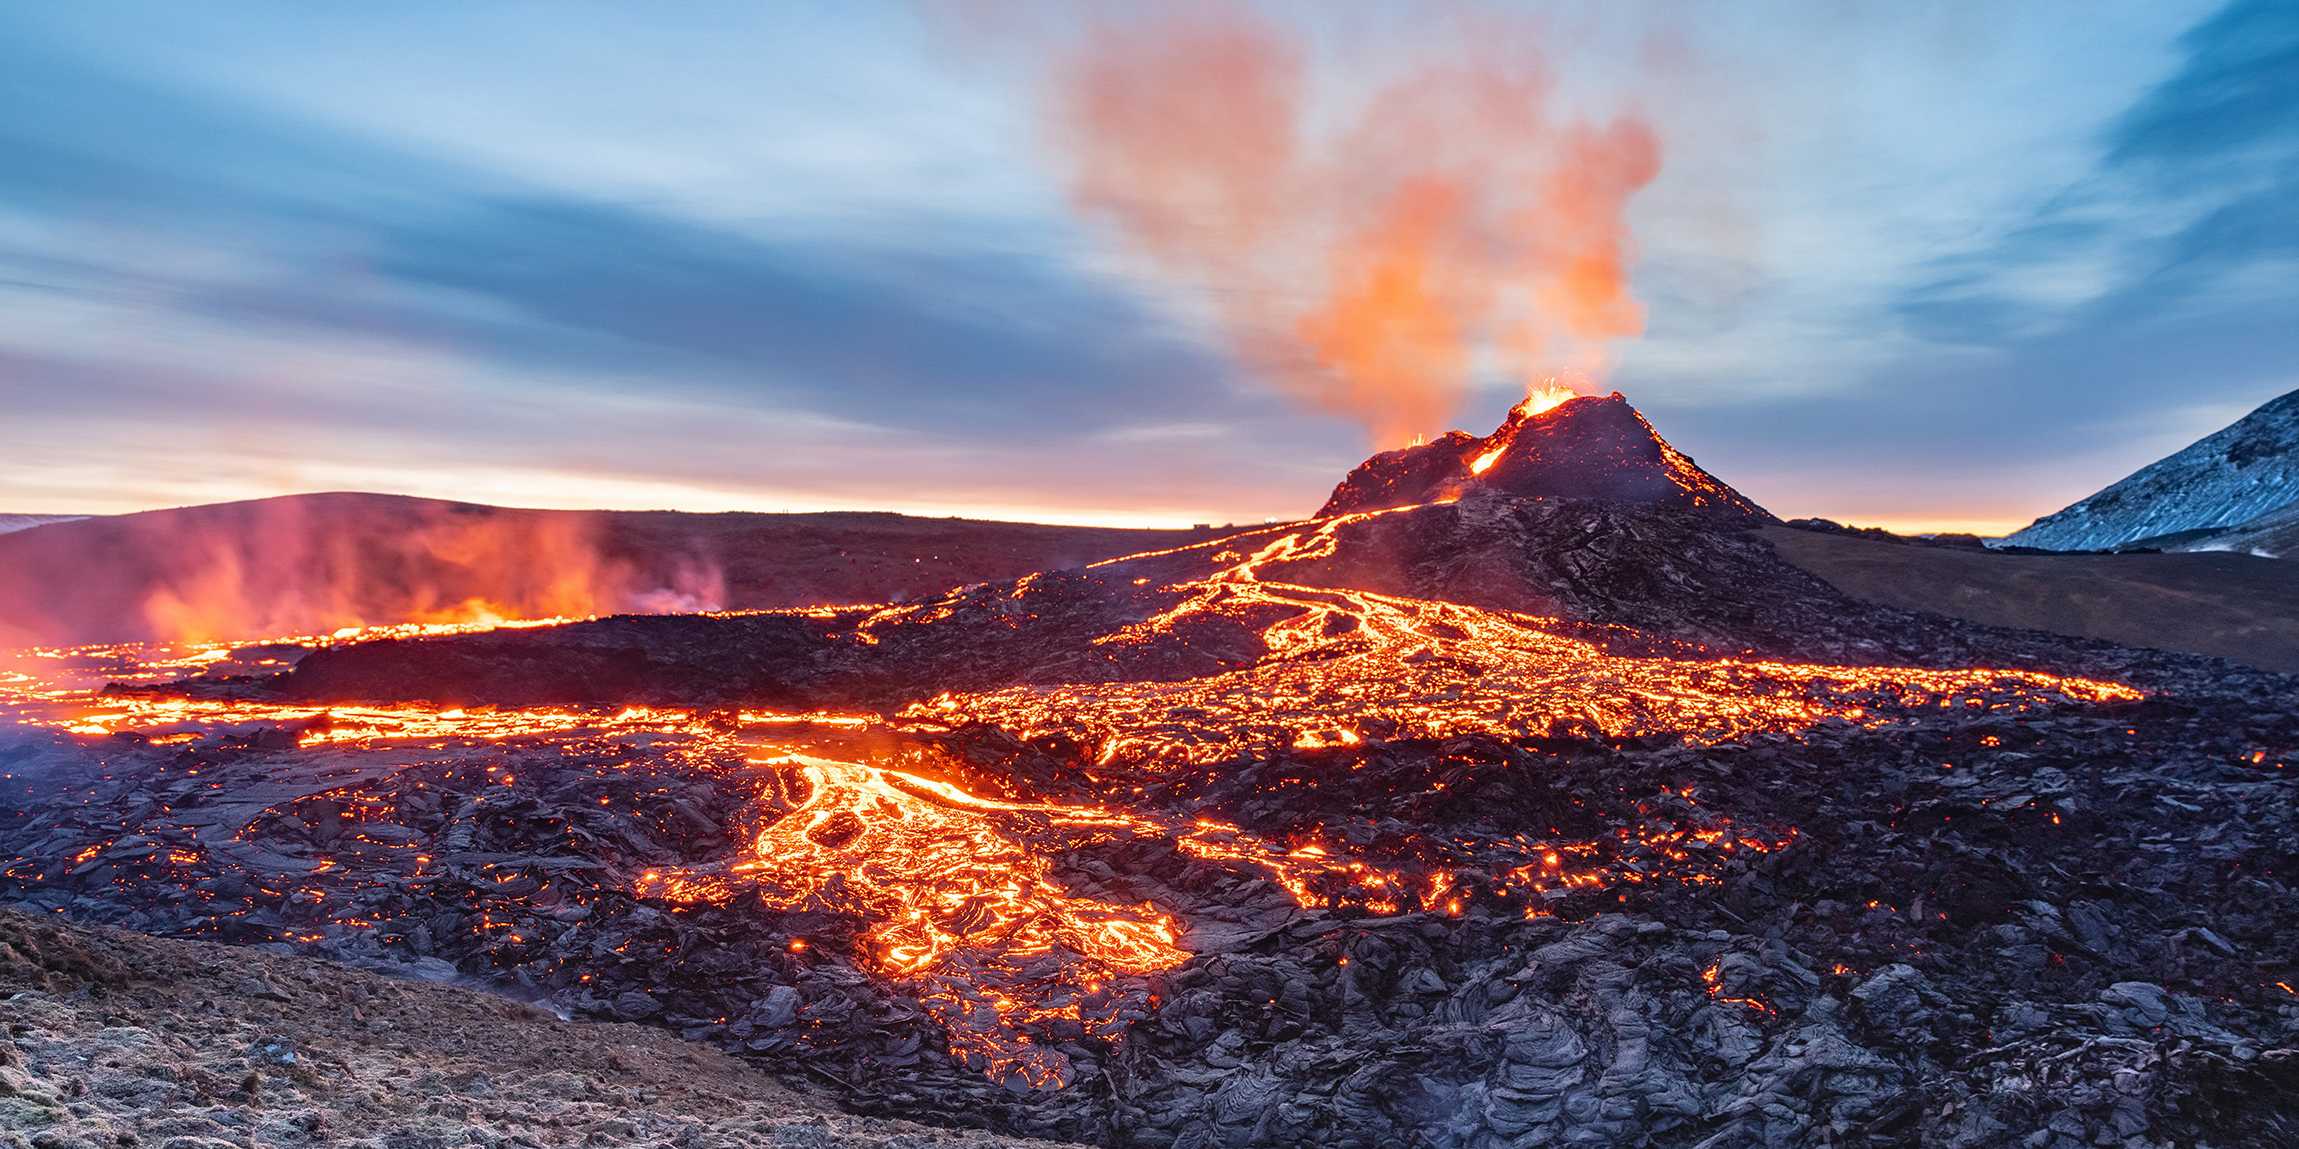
334	561
1365	268
452	569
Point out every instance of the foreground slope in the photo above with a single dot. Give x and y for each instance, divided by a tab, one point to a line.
2223	480
121	1039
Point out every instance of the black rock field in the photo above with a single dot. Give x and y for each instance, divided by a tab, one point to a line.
1508	820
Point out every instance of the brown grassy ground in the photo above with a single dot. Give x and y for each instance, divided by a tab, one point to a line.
2235	606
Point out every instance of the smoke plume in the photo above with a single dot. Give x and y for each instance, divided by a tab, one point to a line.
1366	255
316	563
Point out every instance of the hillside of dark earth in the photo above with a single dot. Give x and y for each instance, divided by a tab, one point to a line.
2231	605
2234	489
120	1039
1550	446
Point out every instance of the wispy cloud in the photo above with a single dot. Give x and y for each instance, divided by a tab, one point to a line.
1956	262
248	283
2195	183
2141	303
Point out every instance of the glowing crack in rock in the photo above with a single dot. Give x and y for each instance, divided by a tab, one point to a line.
962	903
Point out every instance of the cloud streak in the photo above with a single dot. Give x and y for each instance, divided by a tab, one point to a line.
820	266
2137	306
290	287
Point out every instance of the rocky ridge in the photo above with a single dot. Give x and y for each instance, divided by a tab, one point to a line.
2247	471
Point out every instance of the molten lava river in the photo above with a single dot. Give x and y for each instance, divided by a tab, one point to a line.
1010	871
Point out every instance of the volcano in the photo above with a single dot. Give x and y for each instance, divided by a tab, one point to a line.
1585	447
1547	805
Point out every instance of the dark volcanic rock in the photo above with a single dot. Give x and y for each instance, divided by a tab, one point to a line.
1674	574
1993	929
1979	921
1583	448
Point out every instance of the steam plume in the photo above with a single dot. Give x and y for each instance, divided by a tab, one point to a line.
315	563
1369	266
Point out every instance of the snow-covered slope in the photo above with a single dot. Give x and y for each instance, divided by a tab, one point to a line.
2273	535
2225	479
10	523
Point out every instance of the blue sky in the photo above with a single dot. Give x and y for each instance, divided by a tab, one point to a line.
1924	265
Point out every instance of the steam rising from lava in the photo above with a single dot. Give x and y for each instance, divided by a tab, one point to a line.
327	562
1365	258
447	570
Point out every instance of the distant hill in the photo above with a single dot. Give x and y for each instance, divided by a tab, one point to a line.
2272	535
308	563
2231	605
2225	491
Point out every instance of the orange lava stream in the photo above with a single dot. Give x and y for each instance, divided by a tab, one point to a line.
961	895
958	889
1342	664
963	904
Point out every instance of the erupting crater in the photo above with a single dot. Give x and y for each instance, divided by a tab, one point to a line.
1555	444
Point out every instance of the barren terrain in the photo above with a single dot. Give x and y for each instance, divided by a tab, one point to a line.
2235	606
313	563
119	1039
1467	824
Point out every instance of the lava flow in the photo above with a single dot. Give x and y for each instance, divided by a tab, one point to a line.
1345	664
962	903
1020	919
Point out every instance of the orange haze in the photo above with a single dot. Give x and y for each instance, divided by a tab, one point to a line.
1363	266
451	568
323	562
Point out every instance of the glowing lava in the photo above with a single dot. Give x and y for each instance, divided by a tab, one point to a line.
963	902
972	905
1542	399
1406	668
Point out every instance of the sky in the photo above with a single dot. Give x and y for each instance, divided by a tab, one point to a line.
1941	266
